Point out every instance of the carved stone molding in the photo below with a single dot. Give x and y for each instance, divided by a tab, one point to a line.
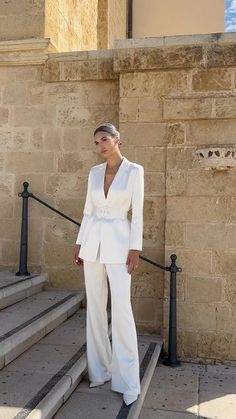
23	52
217	157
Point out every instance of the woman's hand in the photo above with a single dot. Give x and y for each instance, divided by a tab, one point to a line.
132	260
77	260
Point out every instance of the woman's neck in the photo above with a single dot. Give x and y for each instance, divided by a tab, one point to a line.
114	161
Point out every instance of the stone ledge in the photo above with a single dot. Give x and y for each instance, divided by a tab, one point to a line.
162	41
80	66
23	52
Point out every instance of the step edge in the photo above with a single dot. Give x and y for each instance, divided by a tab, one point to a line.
137	407
36	324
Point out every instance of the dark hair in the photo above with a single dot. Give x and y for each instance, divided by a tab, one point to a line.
109	128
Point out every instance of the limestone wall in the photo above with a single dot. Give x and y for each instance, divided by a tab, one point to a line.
170	98
71	25
21	19
184	99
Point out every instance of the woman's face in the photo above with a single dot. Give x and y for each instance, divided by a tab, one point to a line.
105	144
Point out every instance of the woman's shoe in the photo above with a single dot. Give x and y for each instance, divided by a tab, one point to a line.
128	399
96	383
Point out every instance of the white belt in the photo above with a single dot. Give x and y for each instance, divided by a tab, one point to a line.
106	212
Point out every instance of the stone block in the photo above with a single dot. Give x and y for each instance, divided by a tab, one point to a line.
225	318
211	183
201	289
225	107
99	93
206	236
154	184
36	139
218	55
6	208
154	58
72	278
176	133
36	183
10	251
176	183
37	90
175	234
208	132
61	185
80	116
181	158
52	71
31	116
9	229
230	289
67	93
189	108
6	186
145	309
146	84
30	162
198	209
28	73
189	342
202	318
79	70
154	209
198	262
214	345
223	262
57	255
16	93
153	235
105	69
218	79
4	116
129	109
59	231
75	138
133	134
2	161
151	158
72	207
150	109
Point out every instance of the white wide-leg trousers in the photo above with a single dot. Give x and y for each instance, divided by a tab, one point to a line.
121	363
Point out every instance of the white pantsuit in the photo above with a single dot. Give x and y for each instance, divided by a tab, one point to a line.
105	236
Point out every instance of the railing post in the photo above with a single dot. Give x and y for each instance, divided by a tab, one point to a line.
172	360
24	232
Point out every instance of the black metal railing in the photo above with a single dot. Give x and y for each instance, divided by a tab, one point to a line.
172	359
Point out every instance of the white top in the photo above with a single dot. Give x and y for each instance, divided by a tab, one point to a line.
105	218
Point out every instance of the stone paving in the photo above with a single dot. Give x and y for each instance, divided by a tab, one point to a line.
191	391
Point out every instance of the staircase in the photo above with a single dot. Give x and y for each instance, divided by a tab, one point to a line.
43	356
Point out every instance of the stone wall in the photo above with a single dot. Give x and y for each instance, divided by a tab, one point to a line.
185	99
170	97
21	19
71	25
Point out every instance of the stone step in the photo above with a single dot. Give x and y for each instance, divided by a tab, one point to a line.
39	381
26	322
101	402
15	288
51	370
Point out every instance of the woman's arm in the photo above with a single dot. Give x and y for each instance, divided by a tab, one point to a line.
136	232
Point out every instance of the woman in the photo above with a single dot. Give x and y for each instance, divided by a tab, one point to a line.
108	245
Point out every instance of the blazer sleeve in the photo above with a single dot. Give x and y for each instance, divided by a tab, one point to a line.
136	232
88	209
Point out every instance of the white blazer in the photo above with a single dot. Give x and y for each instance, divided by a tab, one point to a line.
105	218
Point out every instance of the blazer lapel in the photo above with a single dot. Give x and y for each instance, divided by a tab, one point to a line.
118	175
